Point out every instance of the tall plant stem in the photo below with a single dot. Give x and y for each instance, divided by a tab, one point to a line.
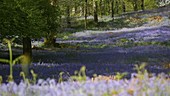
10	60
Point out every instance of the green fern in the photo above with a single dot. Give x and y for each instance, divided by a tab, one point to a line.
80	75
10	61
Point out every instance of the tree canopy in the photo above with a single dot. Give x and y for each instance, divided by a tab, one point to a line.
28	18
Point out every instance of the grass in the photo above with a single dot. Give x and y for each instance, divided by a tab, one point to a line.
104	25
126	43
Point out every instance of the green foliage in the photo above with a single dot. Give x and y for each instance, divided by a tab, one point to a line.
14	20
141	71
34	75
164	43
60	77
22	74
150	4
10	61
28	18
28	81
50	14
92	46
1	80
126	43
113	93
120	76
65	37
80	75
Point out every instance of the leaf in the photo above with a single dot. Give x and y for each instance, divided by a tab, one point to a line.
4	60
17	59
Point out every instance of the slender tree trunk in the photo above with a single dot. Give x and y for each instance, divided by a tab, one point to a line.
100	4
104	7
124	7
135	5
95	11
117	9
108	7
112	8
27	55
85	24
68	16
76	9
142	5
83	10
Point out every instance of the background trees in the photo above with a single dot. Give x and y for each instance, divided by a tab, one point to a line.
44	18
73	9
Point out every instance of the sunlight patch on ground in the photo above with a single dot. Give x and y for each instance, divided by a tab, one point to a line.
88	33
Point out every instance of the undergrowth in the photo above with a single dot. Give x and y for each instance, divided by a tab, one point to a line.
12	62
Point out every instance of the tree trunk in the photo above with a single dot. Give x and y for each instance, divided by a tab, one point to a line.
27	55
95	12
117	7
49	40
27	50
112	8
75	9
142	5
104	8
124	7
135	5
83	10
100	4
108	7
68	16
85	24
